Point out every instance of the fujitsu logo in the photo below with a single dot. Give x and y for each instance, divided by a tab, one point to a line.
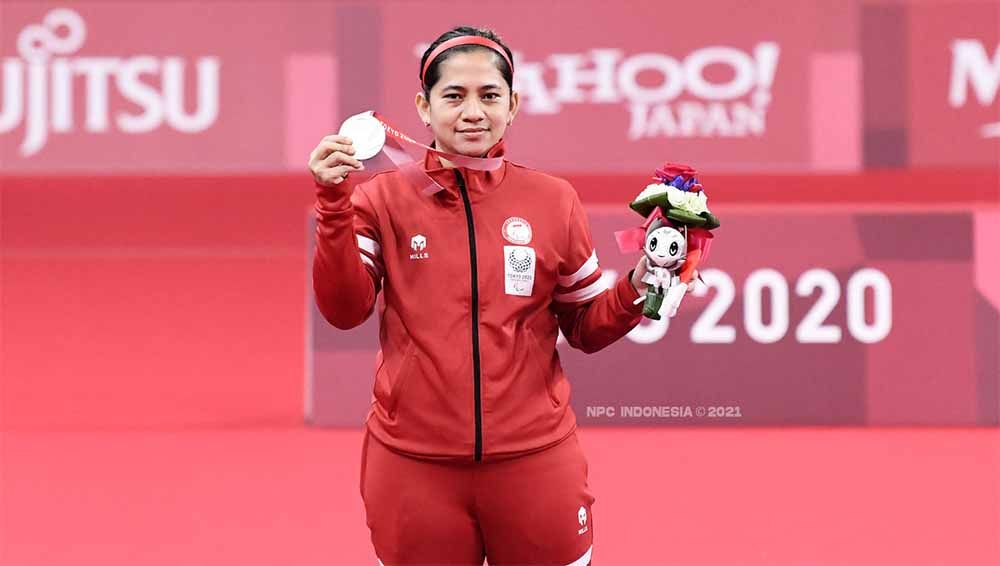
681	101
42	79
972	67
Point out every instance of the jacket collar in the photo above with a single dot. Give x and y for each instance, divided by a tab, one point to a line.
478	183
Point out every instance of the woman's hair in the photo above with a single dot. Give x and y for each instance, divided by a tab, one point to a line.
433	75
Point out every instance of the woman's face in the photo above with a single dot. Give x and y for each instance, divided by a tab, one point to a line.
470	106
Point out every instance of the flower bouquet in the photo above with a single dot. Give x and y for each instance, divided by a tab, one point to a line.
675	236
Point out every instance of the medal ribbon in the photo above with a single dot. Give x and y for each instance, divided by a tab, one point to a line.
395	148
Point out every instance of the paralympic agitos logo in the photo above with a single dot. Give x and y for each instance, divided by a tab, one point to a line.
714	91
38	86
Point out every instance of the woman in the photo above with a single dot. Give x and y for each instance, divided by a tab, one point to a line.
470	448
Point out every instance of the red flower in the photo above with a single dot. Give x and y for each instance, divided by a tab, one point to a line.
671	170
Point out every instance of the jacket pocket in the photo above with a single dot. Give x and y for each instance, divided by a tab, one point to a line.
542	361
391	378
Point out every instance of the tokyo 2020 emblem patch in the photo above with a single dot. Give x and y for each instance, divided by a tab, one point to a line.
519	270
516	230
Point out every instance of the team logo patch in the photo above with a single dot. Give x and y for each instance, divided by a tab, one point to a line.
519	270
418	244
516	230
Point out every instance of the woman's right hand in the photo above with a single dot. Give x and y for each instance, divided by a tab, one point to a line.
332	160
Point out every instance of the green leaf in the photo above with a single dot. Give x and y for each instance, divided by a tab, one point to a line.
685	217
712	222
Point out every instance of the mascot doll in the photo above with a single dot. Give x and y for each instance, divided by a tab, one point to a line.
675	236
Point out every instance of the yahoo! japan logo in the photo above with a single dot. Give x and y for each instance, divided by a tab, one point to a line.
39	87
681	97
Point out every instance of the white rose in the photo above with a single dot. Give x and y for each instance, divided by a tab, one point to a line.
651	191
697	203
703	198
690	203
676	197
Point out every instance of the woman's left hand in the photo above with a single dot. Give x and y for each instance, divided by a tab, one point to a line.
640	270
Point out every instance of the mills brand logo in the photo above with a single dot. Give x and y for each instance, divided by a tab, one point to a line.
971	66
43	78
418	244
674	98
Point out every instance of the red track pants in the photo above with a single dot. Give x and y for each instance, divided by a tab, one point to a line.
530	510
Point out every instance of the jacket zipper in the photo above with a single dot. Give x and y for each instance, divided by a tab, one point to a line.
477	387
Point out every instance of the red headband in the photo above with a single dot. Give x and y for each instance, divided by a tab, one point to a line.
464	40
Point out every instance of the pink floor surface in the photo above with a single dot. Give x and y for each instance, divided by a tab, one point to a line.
265	496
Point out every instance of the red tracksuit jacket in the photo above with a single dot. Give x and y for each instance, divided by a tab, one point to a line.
476	280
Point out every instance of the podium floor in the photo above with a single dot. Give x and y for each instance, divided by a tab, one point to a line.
693	497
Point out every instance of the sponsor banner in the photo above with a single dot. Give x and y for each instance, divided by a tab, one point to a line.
727	86
954	84
237	87
808	317
230	87
160	86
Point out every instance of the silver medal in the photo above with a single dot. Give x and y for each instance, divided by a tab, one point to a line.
367	134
